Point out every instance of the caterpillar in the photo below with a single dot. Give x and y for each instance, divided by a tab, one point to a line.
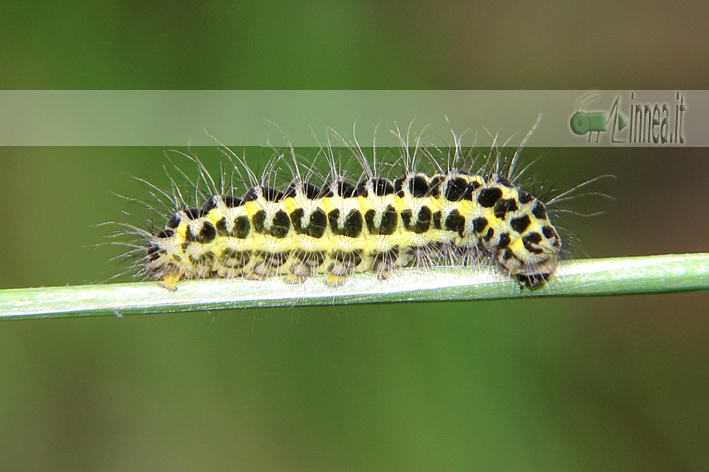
439	207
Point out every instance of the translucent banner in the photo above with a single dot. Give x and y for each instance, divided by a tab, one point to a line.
569	118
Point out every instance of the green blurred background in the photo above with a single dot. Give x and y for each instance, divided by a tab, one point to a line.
575	384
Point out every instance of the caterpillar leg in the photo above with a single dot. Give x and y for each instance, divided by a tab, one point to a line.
294	279
169	282
257	276
340	265
384	262
335	281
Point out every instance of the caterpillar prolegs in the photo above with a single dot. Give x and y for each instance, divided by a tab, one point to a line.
439	209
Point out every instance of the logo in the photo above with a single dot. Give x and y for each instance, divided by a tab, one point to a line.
643	123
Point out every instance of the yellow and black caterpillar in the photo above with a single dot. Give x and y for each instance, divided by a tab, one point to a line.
374	224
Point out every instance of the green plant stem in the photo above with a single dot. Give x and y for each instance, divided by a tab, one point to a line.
592	277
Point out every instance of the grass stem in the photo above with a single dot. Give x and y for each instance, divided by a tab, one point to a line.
591	277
